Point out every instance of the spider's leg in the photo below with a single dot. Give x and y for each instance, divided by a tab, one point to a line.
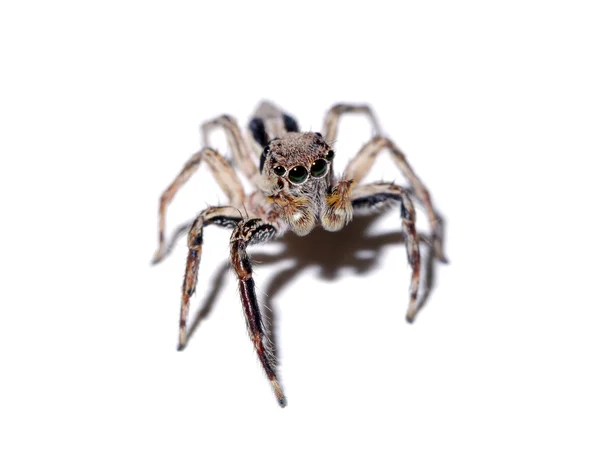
224	216
242	157
223	173
169	244
251	232
331	125
332	118
374	197
358	167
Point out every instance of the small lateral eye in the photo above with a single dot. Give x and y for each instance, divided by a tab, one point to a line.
298	174
279	170
330	154
318	168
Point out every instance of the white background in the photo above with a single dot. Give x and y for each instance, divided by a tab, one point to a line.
497	108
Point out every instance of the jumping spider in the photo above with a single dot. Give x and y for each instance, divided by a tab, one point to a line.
296	190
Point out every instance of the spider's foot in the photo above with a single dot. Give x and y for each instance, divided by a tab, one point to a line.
282	402
439	252
438	243
411	313
279	393
158	256
182	339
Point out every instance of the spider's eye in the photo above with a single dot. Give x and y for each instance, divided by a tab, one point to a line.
330	154
298	174
318	168
279	170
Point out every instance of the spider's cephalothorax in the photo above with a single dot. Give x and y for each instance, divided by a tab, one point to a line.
296	190
294	170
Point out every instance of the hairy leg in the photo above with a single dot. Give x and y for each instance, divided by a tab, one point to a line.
360	165
332	119
250	232
378	196
223	173
224	216
242	157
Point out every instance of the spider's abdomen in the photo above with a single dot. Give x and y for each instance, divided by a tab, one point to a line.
269	122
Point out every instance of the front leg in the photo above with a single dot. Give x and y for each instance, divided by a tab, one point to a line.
374	198
224	216
246	233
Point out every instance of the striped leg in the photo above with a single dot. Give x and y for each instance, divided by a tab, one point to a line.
358	167
224	216
374	197
223	173
251	232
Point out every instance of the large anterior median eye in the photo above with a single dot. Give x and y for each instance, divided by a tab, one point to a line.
298	174
318	168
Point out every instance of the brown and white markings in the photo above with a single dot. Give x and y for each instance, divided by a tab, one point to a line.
296	190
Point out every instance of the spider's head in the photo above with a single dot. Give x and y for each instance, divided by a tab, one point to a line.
296	163
294	169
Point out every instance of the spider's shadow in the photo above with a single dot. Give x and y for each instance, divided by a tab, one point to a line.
352	247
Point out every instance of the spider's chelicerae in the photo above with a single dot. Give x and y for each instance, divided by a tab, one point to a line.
296	190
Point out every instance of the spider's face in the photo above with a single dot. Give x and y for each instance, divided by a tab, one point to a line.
296	163
294	169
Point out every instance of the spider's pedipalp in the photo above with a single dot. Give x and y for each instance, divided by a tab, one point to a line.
338	211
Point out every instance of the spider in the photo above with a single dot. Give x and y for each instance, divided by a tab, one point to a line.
296	190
